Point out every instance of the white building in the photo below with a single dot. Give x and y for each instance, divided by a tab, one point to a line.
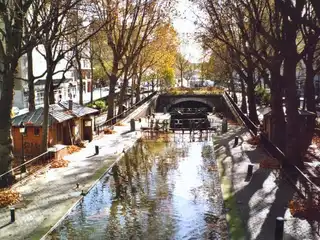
68	88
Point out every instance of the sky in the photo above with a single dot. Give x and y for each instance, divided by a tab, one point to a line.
185	26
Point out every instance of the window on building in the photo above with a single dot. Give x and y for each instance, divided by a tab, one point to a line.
36	131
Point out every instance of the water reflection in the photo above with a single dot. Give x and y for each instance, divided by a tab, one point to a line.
161	189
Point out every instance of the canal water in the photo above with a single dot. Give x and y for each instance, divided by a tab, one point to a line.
166	188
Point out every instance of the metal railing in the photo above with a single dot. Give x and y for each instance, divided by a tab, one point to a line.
110	123
253	128
28	168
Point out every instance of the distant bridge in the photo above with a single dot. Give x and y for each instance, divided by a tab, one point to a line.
169	102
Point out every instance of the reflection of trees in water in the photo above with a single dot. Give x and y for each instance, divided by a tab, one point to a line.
207	152
146	191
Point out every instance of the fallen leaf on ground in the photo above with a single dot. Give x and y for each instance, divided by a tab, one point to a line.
254	140
9	197
270	163
300	208
108	131
73	148
59	163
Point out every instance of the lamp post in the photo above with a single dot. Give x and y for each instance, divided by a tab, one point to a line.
22	130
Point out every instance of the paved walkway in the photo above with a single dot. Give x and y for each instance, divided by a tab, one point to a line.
49	195
262	199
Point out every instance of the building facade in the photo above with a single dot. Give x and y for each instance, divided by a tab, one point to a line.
69	123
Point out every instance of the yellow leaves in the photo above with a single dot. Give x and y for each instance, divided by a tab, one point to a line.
204	90
161	51
9	197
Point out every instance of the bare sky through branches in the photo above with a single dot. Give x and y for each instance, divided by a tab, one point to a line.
184	24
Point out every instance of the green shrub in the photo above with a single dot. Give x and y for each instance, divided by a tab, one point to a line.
101	105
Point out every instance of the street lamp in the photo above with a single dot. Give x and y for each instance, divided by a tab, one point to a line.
22	130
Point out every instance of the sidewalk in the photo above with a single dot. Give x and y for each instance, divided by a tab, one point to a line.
259	201
49	195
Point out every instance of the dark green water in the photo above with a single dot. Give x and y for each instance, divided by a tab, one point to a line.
164	191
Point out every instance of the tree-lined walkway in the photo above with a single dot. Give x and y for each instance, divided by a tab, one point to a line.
258	202
49	195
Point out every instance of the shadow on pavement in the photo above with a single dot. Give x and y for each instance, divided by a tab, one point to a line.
7	224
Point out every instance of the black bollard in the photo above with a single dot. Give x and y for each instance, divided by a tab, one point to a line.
250	171
278	234
97	149
236	141
132	125
12	214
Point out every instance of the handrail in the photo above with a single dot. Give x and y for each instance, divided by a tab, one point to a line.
253	128
127	111
25	163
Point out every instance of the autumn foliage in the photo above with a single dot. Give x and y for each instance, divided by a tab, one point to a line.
301	209
9	197
108	131
270	163
254	140
59	163
316	140
73	148
231	122
120	124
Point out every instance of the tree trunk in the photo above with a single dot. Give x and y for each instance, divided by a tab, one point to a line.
252	100
47	91
31	96
6	147
244	97
278	124
133	88
138	88
111	96
181	77
233	90
293	149
123	94
91	65
309	99
52	99
79	73
152	84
